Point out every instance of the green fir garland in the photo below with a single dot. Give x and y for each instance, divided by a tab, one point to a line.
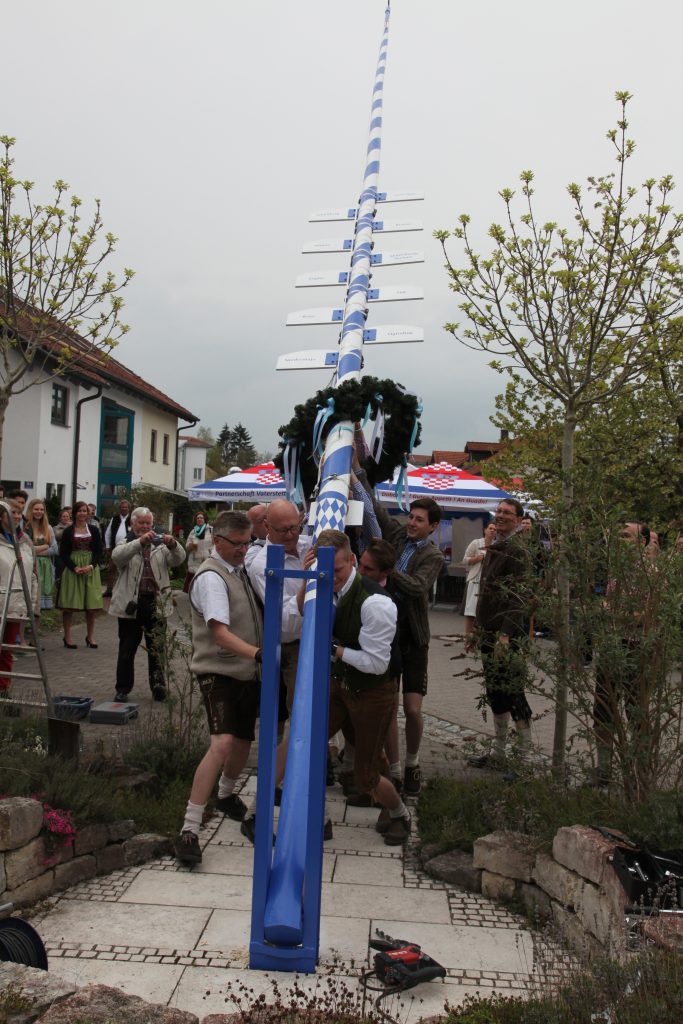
351	400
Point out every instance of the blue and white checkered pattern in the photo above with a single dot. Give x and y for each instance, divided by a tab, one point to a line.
331	513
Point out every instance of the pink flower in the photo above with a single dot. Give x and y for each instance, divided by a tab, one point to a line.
59	829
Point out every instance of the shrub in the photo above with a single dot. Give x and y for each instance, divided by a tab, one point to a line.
55	782
453	814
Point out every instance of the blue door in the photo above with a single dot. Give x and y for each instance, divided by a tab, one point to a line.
116	456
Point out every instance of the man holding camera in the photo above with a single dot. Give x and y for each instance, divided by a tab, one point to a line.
141	600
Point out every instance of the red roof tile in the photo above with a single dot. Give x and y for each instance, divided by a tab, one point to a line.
455	458
483	446
87	362
194	442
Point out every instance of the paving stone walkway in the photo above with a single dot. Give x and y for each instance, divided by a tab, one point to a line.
181	937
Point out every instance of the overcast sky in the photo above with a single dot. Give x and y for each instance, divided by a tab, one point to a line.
211	130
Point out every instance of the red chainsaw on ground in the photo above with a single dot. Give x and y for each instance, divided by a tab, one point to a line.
400	965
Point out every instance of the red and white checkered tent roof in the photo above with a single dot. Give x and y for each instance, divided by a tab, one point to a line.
452	488
260	483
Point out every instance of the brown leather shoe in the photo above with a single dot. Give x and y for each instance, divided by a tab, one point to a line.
398	831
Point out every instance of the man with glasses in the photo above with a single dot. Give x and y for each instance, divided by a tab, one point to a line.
227	633
502	610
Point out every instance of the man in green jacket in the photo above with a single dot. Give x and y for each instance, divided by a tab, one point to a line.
502	613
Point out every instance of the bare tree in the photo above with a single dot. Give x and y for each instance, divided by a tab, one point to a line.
59	309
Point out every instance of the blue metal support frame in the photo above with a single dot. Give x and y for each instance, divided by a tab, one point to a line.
285	914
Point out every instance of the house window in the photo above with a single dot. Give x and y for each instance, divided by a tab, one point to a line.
153	447
60	404
197	473
167	441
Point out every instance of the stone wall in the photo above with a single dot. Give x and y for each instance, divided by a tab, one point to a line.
575	886
28	873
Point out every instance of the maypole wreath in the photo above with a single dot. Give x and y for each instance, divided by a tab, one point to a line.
397	428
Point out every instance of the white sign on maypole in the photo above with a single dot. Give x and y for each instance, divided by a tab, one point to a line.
351	212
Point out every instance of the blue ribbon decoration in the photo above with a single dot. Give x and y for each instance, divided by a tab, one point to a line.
418	413
292	473
377	439
320	421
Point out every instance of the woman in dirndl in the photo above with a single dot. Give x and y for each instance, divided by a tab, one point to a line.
45	543
80	588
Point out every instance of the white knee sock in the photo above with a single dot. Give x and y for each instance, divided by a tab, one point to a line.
500	723
523	739
193	817
226	786
399	812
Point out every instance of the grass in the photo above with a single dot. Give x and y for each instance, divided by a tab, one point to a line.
453	814
646	990
14	1003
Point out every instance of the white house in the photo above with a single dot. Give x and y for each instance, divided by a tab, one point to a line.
92	434
191	462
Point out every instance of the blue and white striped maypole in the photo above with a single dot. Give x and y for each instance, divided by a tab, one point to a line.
336	468
298	848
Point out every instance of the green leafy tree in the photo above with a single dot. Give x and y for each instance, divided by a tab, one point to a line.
204	434
58	305
244	450
225	446
236	447
631	454
574	319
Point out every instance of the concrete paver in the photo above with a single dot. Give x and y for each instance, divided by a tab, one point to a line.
191	929
181	938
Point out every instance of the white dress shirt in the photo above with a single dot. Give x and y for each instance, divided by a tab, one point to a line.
378	627
121	533
252	552
291	619
210	594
